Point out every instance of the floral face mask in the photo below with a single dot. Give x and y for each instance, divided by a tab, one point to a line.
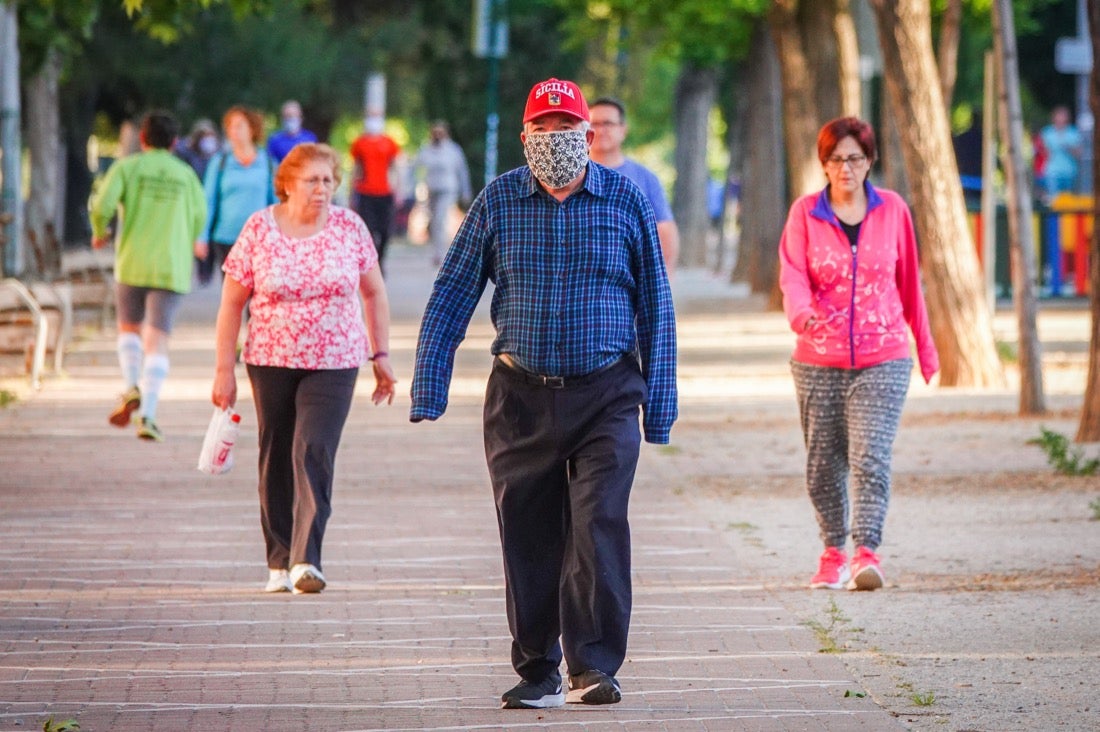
556	158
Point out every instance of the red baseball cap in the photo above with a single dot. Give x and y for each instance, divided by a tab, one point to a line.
555	95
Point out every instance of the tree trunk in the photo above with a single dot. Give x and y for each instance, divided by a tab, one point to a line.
43	138
11	200
947	55
77	119
1022	239
737	115
847	58
696	91
815	19
960	319
763	196
1089	428
891	154
801	120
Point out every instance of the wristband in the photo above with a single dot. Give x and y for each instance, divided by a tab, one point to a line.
376	356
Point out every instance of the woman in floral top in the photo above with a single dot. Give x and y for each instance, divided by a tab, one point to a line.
304	263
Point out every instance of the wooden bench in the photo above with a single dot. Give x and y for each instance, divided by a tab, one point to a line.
89	274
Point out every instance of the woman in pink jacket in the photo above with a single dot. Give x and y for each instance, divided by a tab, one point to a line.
851	290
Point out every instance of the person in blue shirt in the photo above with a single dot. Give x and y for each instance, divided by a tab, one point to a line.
238	182
585	341
609	127
292	132
1064	144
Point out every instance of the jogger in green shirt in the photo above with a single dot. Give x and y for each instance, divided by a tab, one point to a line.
161	210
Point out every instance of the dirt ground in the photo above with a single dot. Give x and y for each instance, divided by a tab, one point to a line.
990	619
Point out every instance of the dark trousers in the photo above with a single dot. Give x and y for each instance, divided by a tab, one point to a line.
377	214
300	416
562	463
215	255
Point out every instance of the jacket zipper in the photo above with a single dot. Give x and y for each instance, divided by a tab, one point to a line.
852	309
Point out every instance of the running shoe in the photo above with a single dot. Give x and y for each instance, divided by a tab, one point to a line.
593	687
148	430
305	579
278	581
530	695
832	570
128	403
866	571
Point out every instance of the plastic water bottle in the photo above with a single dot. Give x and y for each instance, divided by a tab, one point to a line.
223	450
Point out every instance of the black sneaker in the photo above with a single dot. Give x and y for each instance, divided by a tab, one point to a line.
593	687
529	695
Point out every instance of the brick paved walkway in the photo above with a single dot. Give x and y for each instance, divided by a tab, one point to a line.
129	597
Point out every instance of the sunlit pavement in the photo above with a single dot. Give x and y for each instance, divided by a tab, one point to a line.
130	593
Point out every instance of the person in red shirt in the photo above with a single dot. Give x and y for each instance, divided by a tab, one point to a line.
374	153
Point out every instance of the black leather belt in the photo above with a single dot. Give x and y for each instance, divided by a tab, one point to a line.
550	382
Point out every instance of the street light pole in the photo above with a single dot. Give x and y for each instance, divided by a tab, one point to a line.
490	42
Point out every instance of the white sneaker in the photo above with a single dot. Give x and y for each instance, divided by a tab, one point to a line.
278	581
306	578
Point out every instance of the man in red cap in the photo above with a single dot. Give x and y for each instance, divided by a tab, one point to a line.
585	341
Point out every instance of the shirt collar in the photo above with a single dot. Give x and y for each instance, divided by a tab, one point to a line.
595	182
822	210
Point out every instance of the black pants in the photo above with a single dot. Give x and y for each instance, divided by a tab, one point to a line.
377	214
562	463
215	255
300	416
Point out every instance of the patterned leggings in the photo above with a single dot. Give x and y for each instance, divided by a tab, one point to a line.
849	421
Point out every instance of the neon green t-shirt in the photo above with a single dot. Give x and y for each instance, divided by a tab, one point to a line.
161	209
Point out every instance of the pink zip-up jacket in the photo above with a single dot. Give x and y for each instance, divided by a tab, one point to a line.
861	299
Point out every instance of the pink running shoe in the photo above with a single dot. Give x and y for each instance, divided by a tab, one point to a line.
832	570
866	571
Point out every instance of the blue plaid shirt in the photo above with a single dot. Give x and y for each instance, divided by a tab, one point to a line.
579	284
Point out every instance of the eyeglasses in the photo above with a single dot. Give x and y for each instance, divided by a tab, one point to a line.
836	161
314	182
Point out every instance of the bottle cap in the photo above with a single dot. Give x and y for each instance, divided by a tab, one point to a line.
235	418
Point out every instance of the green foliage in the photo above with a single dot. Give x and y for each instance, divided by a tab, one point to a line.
700	32
68	725
1061	457
827	630
7	398
169	20
58	25
1039	23
856	694
1095	506
923	700
1007	352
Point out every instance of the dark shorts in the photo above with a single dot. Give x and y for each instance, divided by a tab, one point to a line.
137	305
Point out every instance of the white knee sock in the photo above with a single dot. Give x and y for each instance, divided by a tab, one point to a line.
152	379
130	357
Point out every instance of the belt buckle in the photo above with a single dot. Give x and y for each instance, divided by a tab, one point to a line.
553	382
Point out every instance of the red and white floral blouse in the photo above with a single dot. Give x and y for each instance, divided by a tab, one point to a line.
305	311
